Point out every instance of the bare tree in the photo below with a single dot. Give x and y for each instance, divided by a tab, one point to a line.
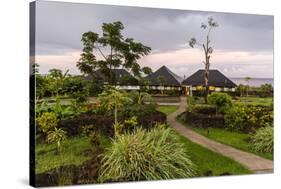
208	50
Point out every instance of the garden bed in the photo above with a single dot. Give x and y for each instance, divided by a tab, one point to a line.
204	120
102	123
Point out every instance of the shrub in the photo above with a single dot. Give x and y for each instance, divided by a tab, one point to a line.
262	140
222	101
267	119
247	118
205	109
265	90
203	120
88	122
235	117
112	99
47	121
62	111
127	125
140	97
138	110
142	155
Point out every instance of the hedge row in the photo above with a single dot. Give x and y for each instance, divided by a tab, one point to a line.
204	120
104	124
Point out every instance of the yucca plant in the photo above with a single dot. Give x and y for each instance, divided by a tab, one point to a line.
146	155
57	136
262	140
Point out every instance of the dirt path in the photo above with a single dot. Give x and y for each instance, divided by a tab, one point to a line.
252	162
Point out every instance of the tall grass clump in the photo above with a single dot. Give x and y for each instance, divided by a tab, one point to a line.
262	140
146	155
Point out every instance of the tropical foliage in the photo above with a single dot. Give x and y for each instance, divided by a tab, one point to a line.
122	51
262	140
139	97
142	155
47	121
247	118
113	99
56	136
222	101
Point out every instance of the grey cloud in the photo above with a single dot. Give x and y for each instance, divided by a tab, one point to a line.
62	24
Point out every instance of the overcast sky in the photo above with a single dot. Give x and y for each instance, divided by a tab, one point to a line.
243	44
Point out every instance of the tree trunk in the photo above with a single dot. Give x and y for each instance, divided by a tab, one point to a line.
207	67
206	85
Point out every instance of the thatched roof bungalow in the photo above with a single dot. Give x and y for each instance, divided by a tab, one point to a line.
217	81
164	79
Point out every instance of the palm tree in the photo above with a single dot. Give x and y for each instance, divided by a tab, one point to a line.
247	79
58	79
57	136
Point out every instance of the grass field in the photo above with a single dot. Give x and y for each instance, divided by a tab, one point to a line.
206	160
72	153
167	109
250	100
267	101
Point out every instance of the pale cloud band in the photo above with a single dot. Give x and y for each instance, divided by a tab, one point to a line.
243	43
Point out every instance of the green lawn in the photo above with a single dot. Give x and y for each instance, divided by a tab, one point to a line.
267	101
207	160
72	153
167	109
234	139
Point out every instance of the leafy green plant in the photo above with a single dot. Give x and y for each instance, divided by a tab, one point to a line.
86	130
113	99
190	103
146	155
222	101
132	122
265	90
262	140
266	119
56	136
126	125
234	118
47	121
140	97
76	107
138	110
41	107
247	118
61	111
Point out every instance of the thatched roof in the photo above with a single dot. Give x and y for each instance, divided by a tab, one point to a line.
169	78
216	78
